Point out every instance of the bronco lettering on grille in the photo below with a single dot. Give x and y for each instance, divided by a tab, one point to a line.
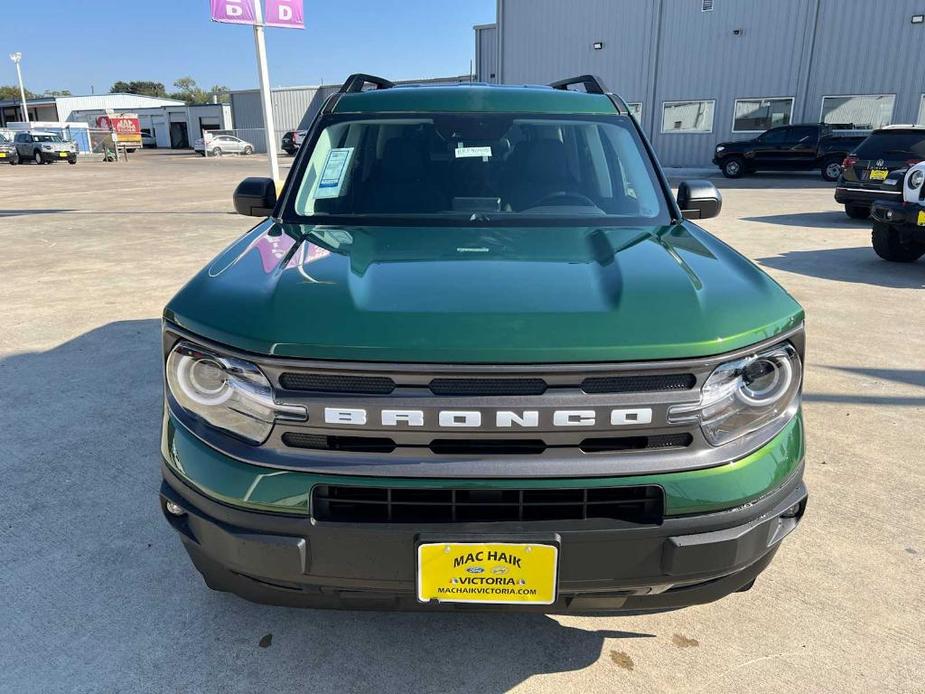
470	419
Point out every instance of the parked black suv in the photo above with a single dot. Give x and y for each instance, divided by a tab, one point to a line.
788	148
867	168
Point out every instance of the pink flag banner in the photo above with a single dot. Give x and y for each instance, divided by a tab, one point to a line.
284	13
233	11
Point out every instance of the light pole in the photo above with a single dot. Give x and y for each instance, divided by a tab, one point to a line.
17	58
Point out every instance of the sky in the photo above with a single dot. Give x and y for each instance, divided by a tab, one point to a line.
97	42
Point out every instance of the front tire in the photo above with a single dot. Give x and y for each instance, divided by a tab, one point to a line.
887	244
38	158
733	167
217	152
831	169
14	158
857	211
248	150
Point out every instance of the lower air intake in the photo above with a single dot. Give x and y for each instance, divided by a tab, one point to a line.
643	505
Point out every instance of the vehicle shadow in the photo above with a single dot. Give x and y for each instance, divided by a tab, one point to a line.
93	573
858	265
860	394
22	213
816	220
909	377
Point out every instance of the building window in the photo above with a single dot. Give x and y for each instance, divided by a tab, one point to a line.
758	115
706	6
862	111
687	116
635	110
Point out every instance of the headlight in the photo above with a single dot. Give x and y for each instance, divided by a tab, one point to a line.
47	148
761	391
227	393
916	178
720	148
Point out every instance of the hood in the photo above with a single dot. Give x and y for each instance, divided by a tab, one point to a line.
483	295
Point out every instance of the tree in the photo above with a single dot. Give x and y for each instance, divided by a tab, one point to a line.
139	87
11	91
57	92
189	91
222	92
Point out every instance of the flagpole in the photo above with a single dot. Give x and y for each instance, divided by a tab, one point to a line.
265	96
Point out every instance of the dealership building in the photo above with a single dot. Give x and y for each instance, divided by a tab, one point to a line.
697	72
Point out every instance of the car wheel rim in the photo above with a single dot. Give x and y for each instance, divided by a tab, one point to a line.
833	170
733	167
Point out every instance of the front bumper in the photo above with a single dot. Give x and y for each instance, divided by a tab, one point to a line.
57	156
694	556
902	217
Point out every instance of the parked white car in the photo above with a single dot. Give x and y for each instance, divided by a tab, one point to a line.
223	144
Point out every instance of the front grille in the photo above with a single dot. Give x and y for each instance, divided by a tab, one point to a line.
337	383
642	504
488	386
638	384
479	446
357	444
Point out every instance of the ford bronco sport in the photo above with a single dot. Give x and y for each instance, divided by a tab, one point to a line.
478	356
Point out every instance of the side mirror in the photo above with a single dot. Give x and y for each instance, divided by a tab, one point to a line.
699	199
255	197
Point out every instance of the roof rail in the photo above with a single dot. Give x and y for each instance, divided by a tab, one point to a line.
593	85
356	82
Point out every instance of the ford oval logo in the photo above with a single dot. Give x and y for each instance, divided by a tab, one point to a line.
475	570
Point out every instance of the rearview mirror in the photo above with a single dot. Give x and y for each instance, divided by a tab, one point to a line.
699	199
255	197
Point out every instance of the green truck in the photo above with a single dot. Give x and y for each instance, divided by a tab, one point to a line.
476	356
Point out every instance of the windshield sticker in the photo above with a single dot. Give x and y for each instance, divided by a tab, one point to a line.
483	152
334	172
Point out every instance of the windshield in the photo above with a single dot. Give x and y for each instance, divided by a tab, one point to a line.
893	145
47	138
481	168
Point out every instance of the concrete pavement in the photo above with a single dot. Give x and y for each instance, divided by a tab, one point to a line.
98	596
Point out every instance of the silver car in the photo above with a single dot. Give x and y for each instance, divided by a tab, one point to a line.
224	144
43	148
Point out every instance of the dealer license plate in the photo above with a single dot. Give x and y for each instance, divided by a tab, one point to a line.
878	174
62	154
493	572
2	155
920	221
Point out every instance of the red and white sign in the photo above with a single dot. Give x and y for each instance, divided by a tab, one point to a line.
125	129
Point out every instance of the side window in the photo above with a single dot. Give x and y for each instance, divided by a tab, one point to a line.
802	135
773	137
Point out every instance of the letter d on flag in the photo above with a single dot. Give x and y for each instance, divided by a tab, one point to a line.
284	13
233	11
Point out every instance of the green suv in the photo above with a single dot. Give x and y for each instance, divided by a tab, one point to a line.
477	355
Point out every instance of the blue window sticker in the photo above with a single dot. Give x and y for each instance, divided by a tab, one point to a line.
334	173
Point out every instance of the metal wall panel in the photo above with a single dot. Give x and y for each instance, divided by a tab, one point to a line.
702	57
869	48
486	53
546	40
670	50
289	107
116	102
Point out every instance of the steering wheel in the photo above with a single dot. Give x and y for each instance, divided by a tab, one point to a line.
563	197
